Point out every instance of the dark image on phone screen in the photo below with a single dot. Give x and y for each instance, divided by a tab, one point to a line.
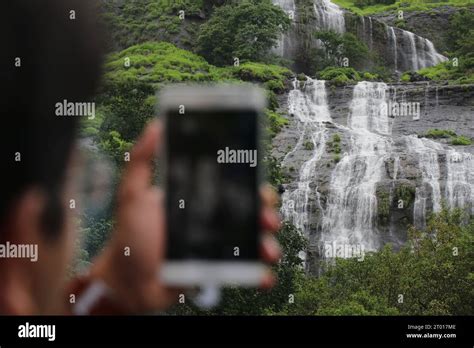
212	198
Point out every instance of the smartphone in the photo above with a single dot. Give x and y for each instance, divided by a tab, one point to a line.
212	176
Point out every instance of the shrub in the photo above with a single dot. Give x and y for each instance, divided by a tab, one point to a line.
439	133
461	140
339	75
246	30
309	145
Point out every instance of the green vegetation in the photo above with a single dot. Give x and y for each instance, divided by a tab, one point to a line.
273	76
334	145
460	68
383	205
245	30
428	276
432	278
338	50
439	133
155	63
275	122
152	20
370	7
308	145
339	75
406	193
446	71
365	3
134	75
461	140
158	63
448	134
238	301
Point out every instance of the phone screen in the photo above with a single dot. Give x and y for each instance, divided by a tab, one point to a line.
212	186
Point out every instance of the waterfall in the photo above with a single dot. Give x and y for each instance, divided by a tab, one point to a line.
393	40
371	36
342	210
352	204
460	180
329	16
284	43
427	153
410	51
459	186
309	104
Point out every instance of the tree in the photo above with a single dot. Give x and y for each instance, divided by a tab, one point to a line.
336	47
244	30
129	104
461	37
242	301
431	275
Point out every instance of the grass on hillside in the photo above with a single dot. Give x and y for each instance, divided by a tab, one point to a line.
162	62
448	134
445	72
405	5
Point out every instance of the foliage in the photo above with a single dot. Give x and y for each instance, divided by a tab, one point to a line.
273	171
273	76
370	7
308	145
461	33
275	122
128	105
383	205
95	234
462	74
431	275
157	63
365	3
460	70
440	133
245	30
461	140
406	193
242	301
130	23
334	145
127	101
448	134
339	76
339	47
113	144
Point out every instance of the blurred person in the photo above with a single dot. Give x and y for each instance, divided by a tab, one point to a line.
48	57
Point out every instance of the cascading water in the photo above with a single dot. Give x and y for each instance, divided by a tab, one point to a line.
352	203
329	16
427	153
460	180
345	212
410	51
284	44
309	104
342	206
393	40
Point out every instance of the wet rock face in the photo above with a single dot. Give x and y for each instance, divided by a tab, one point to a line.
404	178
425	23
